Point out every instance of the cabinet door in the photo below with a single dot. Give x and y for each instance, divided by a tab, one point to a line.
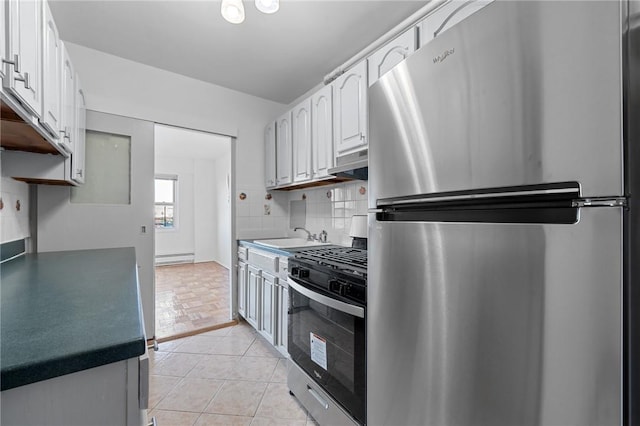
282	302
253	295
270	155
391	54
322	131
67	133
267	306
51	75
350	110
78	157
242	289
301	132
4	27
283	150
23	79
446	16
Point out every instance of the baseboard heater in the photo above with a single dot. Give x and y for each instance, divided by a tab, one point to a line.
171	259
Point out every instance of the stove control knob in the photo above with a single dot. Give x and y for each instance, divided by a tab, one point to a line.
334	286
295	271
304	273
345	289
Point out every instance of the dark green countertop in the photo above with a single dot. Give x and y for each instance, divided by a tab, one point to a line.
63	312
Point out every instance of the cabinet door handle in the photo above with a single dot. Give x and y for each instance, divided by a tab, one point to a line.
15	63
79	173
25	80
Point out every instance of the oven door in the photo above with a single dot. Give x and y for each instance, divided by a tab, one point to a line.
327	340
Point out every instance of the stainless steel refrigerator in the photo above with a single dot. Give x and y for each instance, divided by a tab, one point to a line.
503	245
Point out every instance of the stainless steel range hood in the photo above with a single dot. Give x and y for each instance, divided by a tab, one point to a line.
354	166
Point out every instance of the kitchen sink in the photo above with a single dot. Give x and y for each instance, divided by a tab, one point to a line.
282	243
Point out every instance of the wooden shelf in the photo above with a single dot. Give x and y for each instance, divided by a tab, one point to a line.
16	134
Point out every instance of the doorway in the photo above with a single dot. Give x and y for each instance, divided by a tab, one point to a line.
192	223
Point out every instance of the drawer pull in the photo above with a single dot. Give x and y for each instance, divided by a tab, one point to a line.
317	396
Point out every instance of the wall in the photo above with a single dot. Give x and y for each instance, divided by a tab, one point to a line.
128	88
330	208
259	217
206	213
14	224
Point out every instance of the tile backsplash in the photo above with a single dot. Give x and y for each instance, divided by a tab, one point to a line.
14	211
330	208
265	214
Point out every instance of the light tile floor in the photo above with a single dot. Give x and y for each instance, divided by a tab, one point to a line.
190	297
229	376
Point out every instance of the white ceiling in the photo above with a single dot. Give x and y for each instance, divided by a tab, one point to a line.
277	57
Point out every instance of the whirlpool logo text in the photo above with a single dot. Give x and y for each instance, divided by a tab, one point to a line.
443	56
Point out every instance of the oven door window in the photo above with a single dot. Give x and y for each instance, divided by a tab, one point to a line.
330	346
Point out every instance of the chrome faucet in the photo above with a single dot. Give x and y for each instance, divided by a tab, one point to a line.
309	237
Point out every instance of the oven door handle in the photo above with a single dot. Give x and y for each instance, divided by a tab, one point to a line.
327	301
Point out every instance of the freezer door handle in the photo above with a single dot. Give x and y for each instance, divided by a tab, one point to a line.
600	202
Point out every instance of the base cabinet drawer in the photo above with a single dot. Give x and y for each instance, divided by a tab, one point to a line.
320	405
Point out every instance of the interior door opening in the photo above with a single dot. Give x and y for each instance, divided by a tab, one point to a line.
192	223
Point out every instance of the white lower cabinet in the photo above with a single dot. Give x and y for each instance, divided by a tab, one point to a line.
282	301
254	277
263	295
242	289
267	307
114	394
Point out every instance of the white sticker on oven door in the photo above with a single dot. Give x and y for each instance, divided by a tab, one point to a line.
318	350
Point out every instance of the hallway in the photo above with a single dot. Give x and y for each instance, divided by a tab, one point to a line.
190	297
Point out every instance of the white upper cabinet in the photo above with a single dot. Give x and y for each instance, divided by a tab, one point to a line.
67	120
51	75
301	129
23	64
350	110
322	131
78	157
3	40
284	164
391	54
270	155
446	16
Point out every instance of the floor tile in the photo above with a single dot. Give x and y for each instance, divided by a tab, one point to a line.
278	403
191	395
239	398
159	387
214	367
280	373
261	347
176	364
254	368
230	345
174	418
222	420
267	421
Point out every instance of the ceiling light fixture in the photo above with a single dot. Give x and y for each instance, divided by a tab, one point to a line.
268	6
232	11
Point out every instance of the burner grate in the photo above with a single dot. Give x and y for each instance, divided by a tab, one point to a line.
342	258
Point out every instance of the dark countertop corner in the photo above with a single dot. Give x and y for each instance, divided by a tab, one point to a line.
63	312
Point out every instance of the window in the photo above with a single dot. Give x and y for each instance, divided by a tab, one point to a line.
108	170
165	204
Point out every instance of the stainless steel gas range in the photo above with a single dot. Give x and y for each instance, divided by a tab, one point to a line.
327	345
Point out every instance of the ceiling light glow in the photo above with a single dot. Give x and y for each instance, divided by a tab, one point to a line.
232	11
268	6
